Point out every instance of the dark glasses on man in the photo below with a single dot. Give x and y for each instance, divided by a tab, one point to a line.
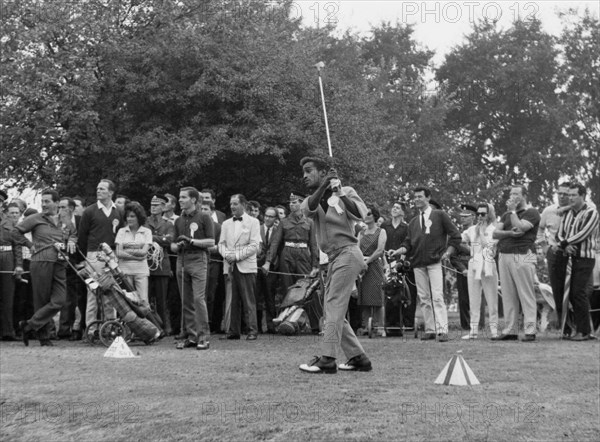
481	213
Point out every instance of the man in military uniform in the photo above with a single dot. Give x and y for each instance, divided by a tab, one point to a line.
163	233
10	260
295	242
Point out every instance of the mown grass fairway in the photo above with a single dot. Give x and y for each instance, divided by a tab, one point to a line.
239	390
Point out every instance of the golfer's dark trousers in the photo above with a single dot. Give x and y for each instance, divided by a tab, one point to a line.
242	295
49	293
581	272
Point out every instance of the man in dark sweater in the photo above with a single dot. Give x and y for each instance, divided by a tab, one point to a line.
431	238
99	224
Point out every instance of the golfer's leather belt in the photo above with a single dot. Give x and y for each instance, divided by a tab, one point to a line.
296	245
5	248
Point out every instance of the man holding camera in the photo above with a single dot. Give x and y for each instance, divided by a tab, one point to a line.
195	235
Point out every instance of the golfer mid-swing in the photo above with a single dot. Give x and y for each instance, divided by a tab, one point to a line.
335	210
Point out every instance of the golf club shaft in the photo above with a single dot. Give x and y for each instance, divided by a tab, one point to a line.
325	115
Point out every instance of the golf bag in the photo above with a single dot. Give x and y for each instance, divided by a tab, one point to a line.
132	310
302	307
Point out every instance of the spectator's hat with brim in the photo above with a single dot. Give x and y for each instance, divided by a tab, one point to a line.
295	196
467	209
159	199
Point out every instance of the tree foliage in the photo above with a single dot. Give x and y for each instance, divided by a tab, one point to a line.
580	80
508	120
158	94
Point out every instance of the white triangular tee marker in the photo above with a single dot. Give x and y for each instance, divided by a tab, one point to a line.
457	372
119	349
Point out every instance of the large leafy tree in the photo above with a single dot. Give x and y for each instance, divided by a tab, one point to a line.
580	90
160	94
508	119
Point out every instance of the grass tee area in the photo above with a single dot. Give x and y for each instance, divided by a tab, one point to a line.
238	390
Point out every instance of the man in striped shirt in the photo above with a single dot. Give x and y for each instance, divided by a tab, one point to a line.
576	239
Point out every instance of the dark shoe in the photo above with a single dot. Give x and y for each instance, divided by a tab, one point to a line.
75	336
579	337
528	338
504	337
64	336
251	337
318	365
26	331
46	343
188	343
230	338
181	336
203	345
287	328
566	337
9	339
357	363
428	337
442	337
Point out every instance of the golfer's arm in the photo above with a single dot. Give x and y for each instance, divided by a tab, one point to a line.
313	200
351	206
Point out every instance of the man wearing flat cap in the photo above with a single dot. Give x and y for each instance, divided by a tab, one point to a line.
163	233
295	242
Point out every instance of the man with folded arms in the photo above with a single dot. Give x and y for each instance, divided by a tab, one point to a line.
516	232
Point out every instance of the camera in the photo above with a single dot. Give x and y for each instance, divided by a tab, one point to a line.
400	265
403	266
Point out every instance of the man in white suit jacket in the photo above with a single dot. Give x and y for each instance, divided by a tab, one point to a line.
239	245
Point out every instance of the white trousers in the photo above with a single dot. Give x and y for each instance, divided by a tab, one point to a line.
430	287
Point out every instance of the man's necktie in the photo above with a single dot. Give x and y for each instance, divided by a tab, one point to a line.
268	235
423	221
236	218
